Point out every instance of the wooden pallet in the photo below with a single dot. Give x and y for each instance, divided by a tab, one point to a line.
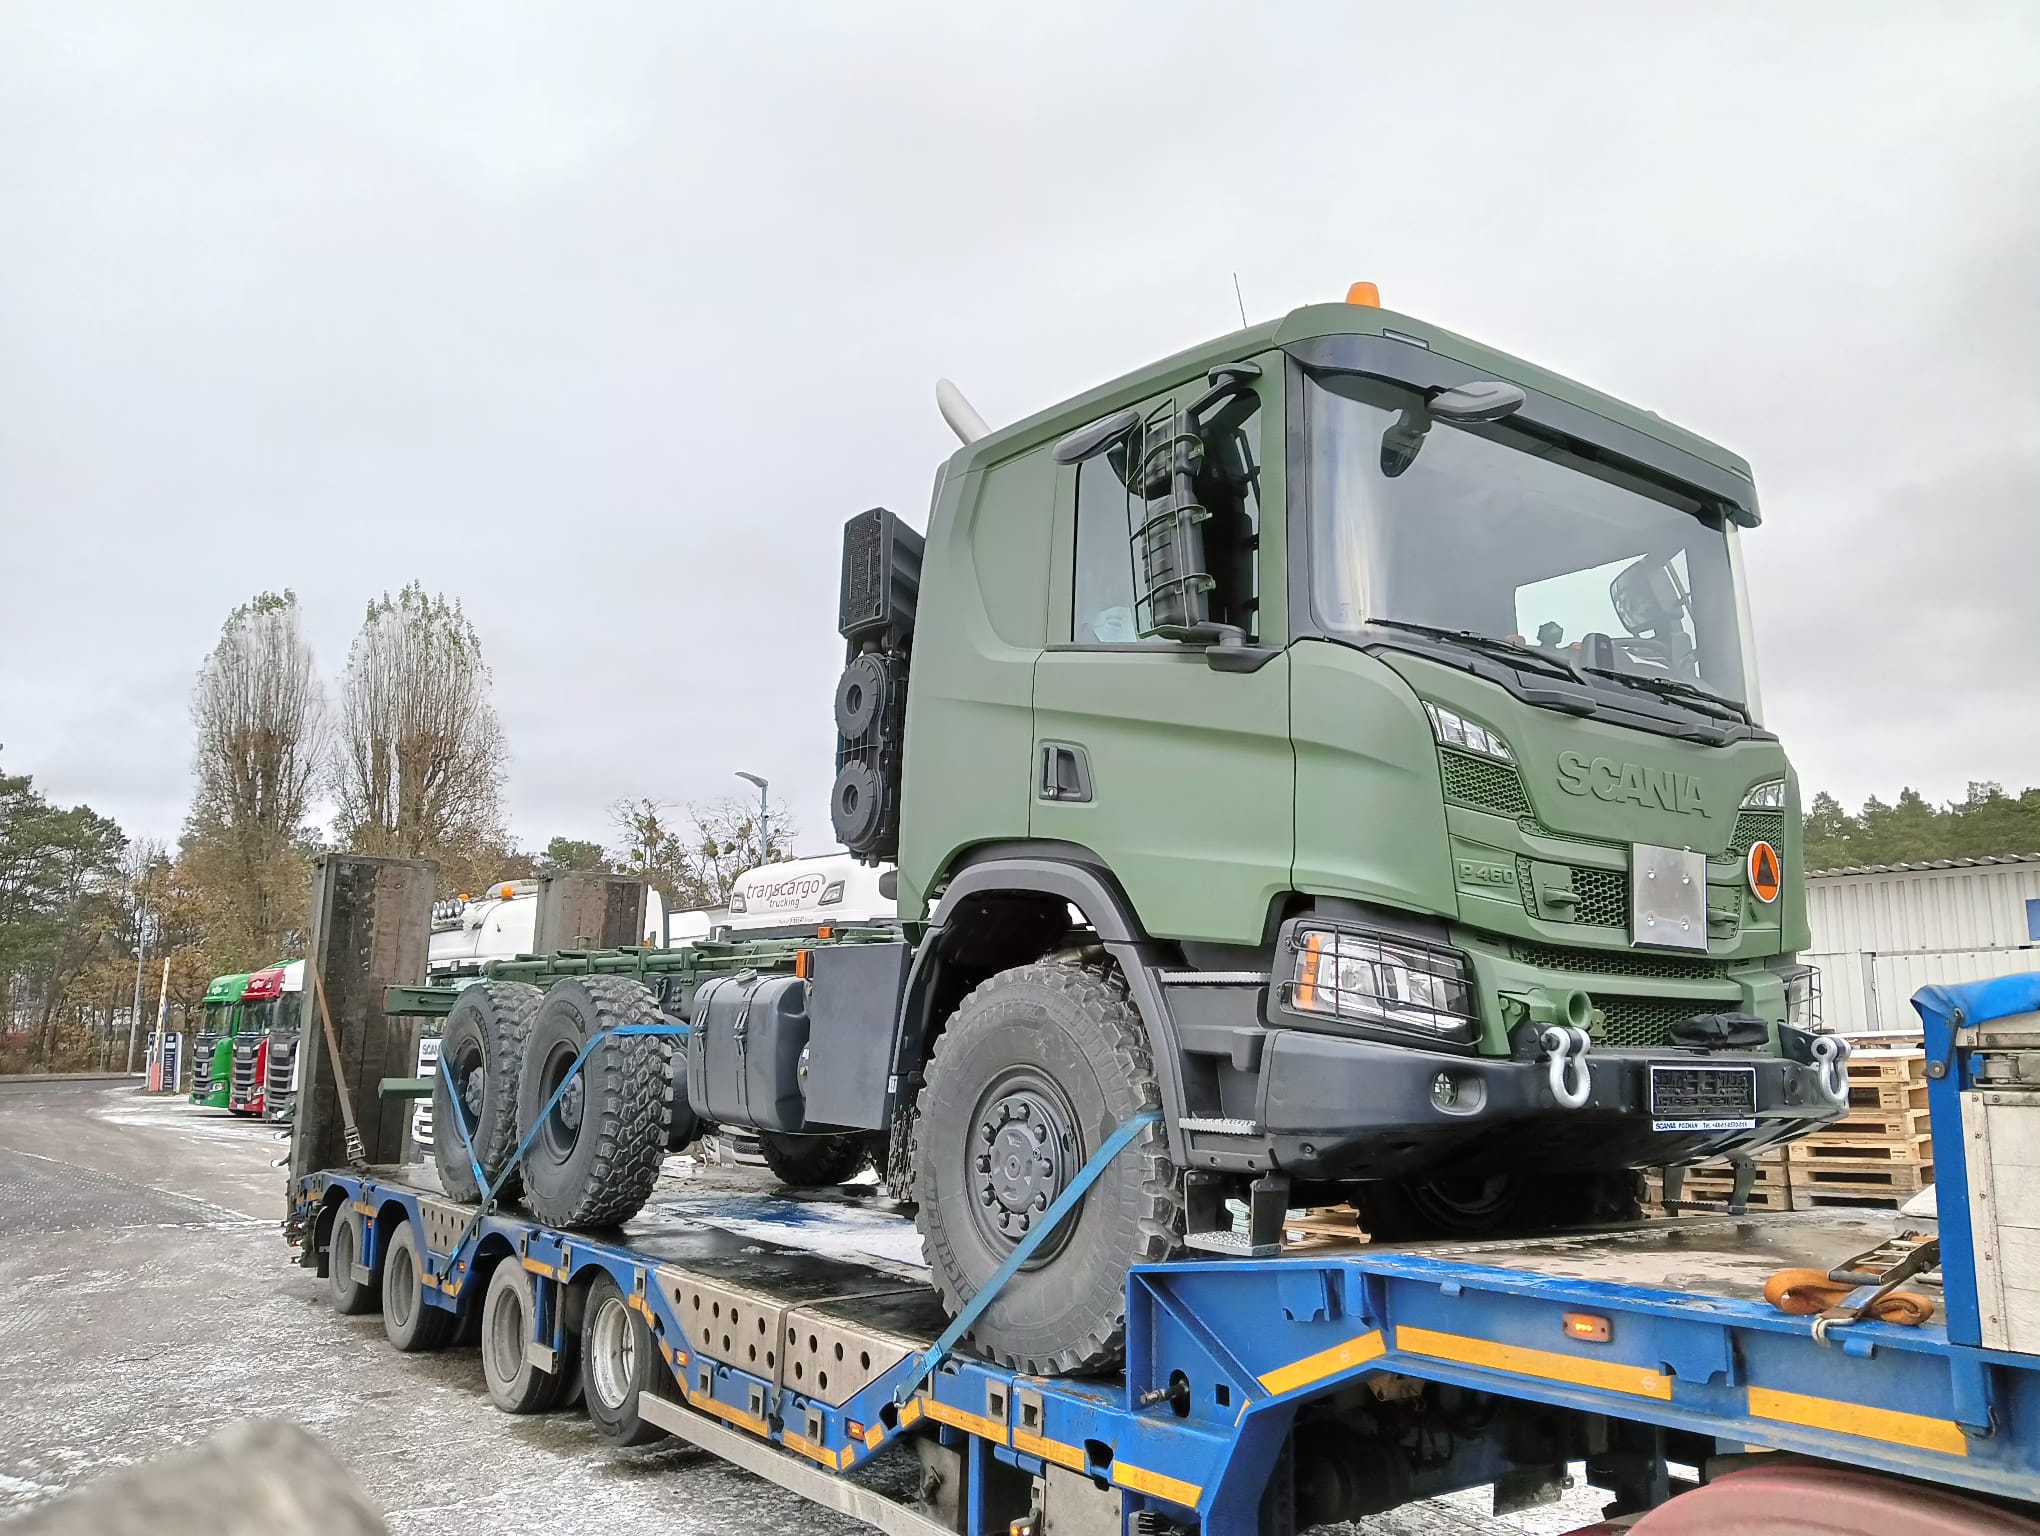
1893	1123
1321	1228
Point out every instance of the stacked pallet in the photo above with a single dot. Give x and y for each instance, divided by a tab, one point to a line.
1881	1152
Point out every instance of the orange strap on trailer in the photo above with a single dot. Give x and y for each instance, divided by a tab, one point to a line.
1805	1292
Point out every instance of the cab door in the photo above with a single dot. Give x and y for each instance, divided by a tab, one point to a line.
1179	777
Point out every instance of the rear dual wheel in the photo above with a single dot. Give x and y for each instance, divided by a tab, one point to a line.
601	1132
350	1297
482	1051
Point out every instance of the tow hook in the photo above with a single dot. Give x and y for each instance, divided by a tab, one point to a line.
1570	1077
1831	1058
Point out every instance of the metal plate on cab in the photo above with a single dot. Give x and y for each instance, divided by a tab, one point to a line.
1667	898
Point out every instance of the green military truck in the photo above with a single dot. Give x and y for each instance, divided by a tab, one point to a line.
1341	737
212	1055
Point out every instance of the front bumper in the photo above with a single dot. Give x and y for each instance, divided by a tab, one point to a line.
1340	1107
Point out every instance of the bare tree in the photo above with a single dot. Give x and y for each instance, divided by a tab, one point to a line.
259	712
419	770
725	844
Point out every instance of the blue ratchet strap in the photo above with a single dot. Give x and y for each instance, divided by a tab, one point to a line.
488	1200
1023	1250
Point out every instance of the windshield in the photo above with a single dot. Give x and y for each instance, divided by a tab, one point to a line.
1490	531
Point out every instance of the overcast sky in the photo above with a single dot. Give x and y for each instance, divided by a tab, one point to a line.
602	319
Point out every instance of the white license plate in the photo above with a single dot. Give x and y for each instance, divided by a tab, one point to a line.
1703	1125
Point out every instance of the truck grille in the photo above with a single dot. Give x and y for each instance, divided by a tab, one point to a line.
1646	1021
243	1085
1604	898
201	1063
1483	783
1615	962
1757	827
281	1054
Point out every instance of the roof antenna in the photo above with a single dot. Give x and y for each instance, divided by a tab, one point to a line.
961	415
1242	302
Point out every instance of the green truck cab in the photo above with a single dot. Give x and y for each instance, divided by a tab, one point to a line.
212	1056
1388	708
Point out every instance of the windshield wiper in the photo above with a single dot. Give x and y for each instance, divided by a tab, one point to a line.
1488	645
1708	702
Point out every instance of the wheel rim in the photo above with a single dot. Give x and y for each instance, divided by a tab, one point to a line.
402	1297
340	1258
506	1336
1024	1150
467	1071
562	1126
613	1354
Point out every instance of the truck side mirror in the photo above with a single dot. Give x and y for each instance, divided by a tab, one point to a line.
1172	586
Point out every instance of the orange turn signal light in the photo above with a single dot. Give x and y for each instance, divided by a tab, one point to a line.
800	964
1364	293
1588	1327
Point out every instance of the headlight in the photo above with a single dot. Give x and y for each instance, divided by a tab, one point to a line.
737	902
1458	731
1768	796
831	893
1382	979
1802	996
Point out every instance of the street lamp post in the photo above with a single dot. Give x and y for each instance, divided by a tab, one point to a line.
135	1019
764	816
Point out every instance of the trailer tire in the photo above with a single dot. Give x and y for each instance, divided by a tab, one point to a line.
483	1047
813	1162
515	1384
1037	1068
350	1297
620	1363
595	1157
413	1324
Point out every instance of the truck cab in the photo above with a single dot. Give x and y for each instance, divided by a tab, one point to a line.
1388	709
212	1055
798	897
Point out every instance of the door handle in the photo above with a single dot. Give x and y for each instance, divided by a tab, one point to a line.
1065	774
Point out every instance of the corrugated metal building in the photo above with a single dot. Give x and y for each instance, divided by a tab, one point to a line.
1882	932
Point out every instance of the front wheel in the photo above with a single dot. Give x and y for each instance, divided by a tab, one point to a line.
1035	1071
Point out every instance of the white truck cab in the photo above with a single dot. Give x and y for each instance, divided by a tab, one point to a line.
798	896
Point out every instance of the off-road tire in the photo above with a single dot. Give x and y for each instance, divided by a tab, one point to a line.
491	1020
610	1387
349	1296
600	1170
813	1162
1068	1022
515	1384
1411	1210
413	1324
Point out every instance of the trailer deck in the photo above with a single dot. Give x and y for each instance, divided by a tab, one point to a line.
806	1350
801	1341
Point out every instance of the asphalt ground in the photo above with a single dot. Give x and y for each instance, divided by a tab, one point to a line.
147	1299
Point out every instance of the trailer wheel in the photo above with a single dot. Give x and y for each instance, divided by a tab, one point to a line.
413	1324
815	1161
1035	1071
596	1154
515	1384
620	1363
483	1047
349	1296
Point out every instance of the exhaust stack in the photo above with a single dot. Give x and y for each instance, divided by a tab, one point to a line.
961	415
